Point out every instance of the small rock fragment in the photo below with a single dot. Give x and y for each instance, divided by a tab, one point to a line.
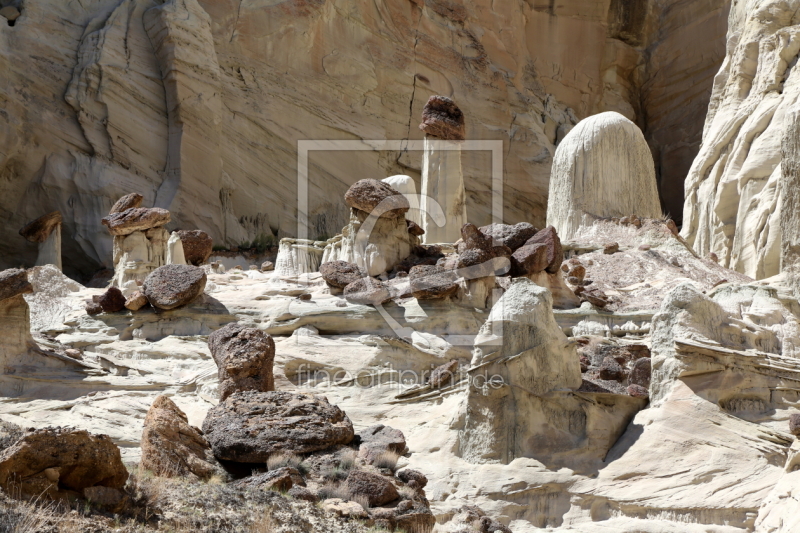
136	301
267	266
637	391
611	369
112	301
129	201
407	475
443	374
610	248
640	373
430	282
340	274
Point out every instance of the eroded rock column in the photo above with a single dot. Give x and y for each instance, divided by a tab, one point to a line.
442	178
46	232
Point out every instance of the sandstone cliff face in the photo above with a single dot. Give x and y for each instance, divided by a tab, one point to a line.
198	104
733	198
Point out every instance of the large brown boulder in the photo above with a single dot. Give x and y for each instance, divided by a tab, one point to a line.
129	201
112	301
794	425
13	282
640	373
197	246
508	235
377	489
135	219
529	259
366	195
53	460
340	274
555	253
173	448
41	228
442	118
172	286
367	291
244	359
430	282
247	427
379	439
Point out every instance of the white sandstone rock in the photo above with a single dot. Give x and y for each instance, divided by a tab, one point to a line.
603	168
175	255
442	183
298	256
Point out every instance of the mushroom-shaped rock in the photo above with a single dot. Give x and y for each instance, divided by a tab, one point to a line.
136	219
366	195
340	274
442	118
173	448
197	246
172	286
602	168
555	253
50	460
13	282
379	439
377	489
429	282
129	201
40	229
247	427
508	235
244	357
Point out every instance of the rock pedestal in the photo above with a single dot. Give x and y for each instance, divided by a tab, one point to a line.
15	321
46	232
442	178
603	168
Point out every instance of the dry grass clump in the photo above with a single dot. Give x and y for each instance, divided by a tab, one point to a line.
333	490
387	459
286	459
347	459
360	499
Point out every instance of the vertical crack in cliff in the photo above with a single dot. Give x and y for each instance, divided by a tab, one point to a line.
236	22
413	89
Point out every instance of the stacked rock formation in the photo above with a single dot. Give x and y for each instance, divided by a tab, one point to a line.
15	322
442	178
378	236
46	232
141	244
602	169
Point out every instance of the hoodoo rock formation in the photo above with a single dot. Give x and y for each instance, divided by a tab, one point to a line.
46	232
603	168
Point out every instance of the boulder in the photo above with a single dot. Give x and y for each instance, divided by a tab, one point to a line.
576	272
380	439
610	248
129	201
794	425
345	509
136	219
173	448
136	301
302	493
611	369
93	308
442	118
640	373
55	459
408	475
365	195
281	479
39	230
267	266
244	358
444	374
340	274
247	427
473	238
377	489
414	228
595	297
529	259
555	254
10	13
367	291
172	286
13	282
637	391
112	301
197	246
508	235
429	282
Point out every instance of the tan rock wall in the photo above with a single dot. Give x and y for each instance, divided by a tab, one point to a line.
198	104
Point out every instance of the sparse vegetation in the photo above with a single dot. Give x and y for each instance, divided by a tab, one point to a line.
388	460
